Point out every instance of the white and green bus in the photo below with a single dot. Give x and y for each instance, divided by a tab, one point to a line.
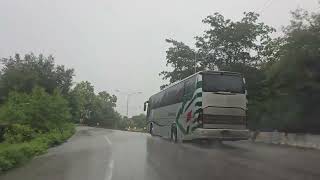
208	105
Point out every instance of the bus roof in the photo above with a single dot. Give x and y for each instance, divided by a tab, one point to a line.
220	72
201	72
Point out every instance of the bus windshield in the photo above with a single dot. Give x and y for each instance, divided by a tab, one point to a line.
223	83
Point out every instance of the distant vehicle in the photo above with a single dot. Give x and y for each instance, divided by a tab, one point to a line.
208	105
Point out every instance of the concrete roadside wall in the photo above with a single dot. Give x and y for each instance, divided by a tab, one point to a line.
298	140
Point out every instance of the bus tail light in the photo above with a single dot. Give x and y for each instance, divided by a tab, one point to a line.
200	117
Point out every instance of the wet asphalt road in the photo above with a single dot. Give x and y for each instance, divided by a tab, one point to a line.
100	154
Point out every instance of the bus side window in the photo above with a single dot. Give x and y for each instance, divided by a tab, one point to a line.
173	95
178	93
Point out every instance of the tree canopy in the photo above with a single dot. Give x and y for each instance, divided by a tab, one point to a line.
38	109
282	73
24	74
225	45
294	80
37	92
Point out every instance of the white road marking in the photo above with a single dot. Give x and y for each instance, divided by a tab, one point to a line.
108	140
109	170
110	166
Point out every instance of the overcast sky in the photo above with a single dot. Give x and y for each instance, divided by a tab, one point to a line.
119	44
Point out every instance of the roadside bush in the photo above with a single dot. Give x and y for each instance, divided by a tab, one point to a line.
17	133
58	136
2	131
39	110
12	155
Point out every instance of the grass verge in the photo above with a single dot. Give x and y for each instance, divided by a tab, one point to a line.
13	155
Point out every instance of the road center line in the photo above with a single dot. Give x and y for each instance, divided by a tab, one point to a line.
108	140
109	170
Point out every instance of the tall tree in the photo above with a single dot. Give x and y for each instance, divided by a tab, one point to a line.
81	99
182	59
107	98
104	112
24	74
39	110
293	81
229	42
229	45
93	109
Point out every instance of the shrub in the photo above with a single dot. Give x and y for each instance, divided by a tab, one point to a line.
17	133
15	154
12	155
40	110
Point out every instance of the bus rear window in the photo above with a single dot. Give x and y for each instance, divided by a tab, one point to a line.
223	83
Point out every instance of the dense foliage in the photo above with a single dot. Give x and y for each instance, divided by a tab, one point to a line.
17	133
282	74
24	74
14	154
93	109
38	105
135	123
39	110
139	121
36	92
293	82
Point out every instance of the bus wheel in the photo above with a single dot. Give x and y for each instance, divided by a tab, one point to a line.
174	136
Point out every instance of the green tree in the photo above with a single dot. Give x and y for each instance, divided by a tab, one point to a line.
81	101
229	45
111	100
123	123
182	60
294	80
93	109
230	42
243	46
39	110
24	74
103	112
139	121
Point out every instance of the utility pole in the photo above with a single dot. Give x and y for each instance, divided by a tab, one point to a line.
195	62
128	98
128	105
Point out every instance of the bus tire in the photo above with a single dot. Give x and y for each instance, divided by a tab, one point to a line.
174	134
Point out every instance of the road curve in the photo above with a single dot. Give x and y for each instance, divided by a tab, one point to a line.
100	154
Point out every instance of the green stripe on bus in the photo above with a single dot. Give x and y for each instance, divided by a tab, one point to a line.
197	111
199	84
181	128
194	97
198	104
178	116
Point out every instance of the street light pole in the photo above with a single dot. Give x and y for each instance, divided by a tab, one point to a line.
195	62
128	97
128	105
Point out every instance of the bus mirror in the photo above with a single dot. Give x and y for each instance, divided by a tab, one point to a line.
145	106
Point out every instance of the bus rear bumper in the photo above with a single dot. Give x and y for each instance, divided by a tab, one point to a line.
219	134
